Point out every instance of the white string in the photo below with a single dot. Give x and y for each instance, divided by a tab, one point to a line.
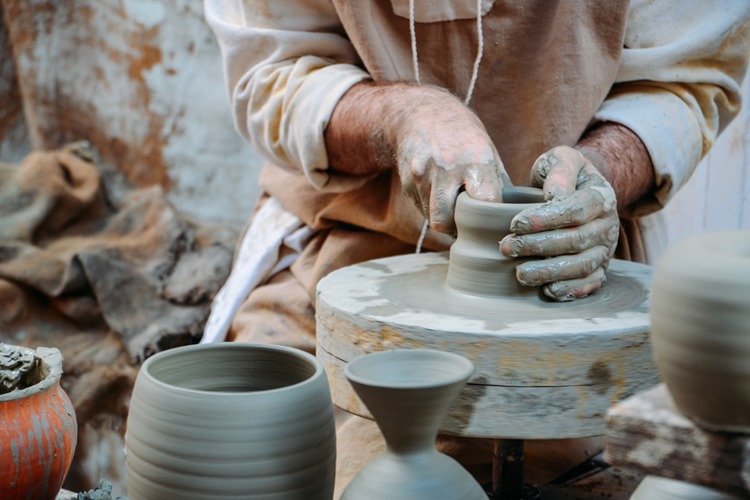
472	82
480	51
422	235
413	36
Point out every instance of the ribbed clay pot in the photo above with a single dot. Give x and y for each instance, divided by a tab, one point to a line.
38	431
408	393
233	421
701	328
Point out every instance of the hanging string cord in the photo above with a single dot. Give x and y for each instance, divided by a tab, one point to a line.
472	82
413	37
480	52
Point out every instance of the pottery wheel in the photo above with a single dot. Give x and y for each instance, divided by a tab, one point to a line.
544	369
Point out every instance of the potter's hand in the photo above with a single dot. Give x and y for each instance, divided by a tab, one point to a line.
438	145
577	228
441	148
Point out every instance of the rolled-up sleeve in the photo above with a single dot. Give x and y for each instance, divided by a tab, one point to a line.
286	65
678	84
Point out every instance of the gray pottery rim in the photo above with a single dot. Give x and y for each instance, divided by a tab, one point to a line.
51	359
528	197
375	357
234	346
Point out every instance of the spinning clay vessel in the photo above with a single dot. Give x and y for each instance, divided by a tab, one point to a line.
701	328
231	420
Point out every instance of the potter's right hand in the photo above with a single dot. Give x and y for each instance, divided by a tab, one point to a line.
437	143
442	148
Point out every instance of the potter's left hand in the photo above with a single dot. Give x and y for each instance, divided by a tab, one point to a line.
576	229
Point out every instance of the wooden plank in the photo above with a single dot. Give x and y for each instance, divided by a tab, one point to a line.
725	180
647	433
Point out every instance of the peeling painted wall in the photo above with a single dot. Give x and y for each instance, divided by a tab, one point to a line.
139	79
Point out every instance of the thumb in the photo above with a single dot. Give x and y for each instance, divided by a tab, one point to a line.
556	172
483	182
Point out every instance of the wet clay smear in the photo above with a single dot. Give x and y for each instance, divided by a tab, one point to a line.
19	368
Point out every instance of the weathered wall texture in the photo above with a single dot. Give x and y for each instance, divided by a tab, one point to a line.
141	80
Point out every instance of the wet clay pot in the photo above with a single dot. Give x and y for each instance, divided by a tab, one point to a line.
38	431
408	393
701	328
476	266
233	421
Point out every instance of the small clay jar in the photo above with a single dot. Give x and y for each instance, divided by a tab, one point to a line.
700	319
38	431
231	420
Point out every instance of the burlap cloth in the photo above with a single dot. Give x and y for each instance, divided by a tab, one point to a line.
108	282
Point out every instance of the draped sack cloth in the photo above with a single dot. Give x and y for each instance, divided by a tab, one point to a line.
107	284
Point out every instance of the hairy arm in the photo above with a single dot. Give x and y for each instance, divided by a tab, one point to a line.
619	154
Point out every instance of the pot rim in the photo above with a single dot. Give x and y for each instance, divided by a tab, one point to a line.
235	346
527	196
462	366
51	359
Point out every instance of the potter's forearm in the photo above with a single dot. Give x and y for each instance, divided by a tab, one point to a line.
358	137
622	159
372	122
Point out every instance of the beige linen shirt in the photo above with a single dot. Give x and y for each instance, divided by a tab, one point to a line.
670	70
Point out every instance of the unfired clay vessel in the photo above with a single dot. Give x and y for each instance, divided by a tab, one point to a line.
233	421
38	429
701	328
476	265
408	393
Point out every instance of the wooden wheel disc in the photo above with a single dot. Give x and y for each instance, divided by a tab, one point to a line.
544	370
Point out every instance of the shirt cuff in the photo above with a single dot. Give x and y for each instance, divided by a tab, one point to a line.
309	115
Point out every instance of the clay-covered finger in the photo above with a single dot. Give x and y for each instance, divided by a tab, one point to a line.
442	204
565	291
563	267
604	231
483	182
581	207
556	172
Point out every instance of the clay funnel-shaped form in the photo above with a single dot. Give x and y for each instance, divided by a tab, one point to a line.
408	393
38	429
700	318
231	420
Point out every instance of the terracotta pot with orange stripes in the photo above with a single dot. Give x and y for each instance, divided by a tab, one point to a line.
38	429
